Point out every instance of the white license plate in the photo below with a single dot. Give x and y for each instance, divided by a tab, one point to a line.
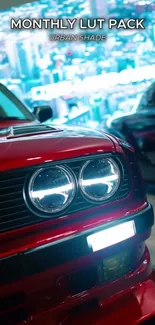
111	236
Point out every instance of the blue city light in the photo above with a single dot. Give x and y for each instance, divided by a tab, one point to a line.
86	83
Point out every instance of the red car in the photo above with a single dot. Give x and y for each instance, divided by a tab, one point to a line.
74	219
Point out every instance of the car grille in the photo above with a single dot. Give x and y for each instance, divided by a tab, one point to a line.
13	210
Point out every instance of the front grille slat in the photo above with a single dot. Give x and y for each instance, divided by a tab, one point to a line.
11	181
10	186
27	221
14	220
7	190
12	195
12	176
10	216
12	203
13	210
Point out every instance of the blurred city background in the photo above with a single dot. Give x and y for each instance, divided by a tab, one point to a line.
84	82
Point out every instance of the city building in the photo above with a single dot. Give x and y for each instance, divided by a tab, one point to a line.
98	8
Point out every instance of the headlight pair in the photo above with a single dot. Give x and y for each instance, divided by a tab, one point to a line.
51	190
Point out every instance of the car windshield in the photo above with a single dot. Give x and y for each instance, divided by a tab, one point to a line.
11	108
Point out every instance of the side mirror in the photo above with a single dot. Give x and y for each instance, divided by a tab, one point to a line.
43	113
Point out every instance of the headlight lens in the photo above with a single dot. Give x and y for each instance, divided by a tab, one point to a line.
52	189
99	179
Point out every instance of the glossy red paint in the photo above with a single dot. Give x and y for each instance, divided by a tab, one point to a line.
116	142
31	150
31	237
131	307
42	283
112	210
42	309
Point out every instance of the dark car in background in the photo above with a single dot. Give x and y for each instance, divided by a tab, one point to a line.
147	100
138	129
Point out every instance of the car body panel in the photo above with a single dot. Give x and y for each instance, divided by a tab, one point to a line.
61	143
48	235
37	261
133	307
38	288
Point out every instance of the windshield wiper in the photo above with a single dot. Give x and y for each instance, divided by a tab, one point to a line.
13	118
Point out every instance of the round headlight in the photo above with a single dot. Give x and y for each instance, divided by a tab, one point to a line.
99	179
52	189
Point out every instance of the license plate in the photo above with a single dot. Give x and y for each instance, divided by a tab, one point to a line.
111	236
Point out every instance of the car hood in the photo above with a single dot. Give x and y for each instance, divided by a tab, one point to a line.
22	146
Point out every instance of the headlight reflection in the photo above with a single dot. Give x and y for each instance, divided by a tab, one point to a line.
52	189
99	179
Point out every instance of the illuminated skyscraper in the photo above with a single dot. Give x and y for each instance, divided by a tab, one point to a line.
25	58
11	51
98	8
4	71
46	77
20	56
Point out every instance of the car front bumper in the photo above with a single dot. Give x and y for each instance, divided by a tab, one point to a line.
110	300
134	307
137	307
